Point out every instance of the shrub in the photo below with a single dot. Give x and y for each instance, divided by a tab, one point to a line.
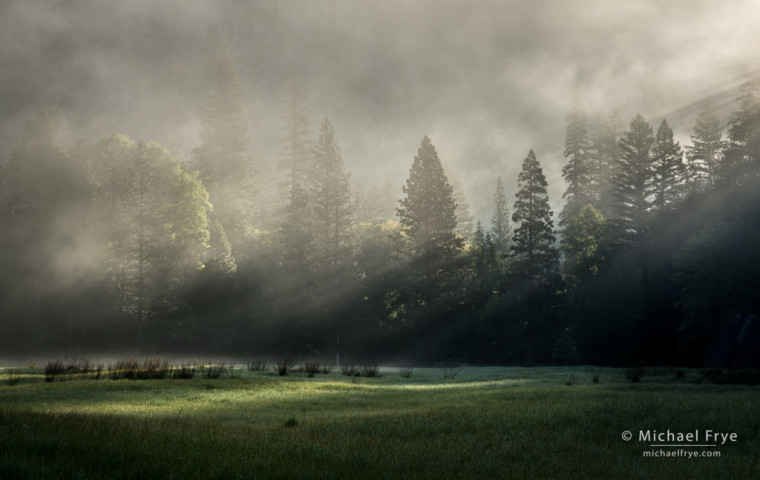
405	372
595	379
290	422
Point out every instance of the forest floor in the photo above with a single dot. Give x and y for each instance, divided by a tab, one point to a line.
485	422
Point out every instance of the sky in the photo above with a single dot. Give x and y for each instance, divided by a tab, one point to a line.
485	80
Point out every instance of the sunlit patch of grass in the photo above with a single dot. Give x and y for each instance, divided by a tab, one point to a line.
486	423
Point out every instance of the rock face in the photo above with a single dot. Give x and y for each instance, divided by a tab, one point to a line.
737	344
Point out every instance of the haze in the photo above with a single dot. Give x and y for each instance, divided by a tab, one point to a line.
486	81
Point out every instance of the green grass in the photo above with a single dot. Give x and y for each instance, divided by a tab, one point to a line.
485	423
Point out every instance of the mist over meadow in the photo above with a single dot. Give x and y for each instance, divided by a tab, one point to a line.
496	182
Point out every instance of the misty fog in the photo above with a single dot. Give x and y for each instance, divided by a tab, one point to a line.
485	80
314	177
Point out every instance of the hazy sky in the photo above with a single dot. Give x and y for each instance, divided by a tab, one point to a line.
486	80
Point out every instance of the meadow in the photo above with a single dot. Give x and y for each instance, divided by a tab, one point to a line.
484	422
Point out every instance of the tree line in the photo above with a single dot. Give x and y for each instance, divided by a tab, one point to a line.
117	245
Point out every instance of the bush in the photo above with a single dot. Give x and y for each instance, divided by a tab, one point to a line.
184	372
452	371
405	372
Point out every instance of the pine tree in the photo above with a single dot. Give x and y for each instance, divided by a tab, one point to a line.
604	157
330	201
706	151
223	158
153	216
462	212
428	212
577	172
668	168
633	179
742	157
500	229
296	145
533	241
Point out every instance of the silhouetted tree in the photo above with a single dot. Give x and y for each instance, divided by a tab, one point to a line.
500	228
633	179
533	241
223	156
668	168
706	151
577	172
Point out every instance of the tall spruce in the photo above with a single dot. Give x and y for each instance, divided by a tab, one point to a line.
604	156
533	243
742	157
668	170
296	143
500	229
223	157
706	151
330	200
577	171
633	179
428	211
462	212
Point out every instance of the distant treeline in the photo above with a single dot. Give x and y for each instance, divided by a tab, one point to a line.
119	246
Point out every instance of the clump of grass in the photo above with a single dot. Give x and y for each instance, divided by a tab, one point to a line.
53	369
635	374
370	370
132	369
213	371
680	373
452	371
732	377
405	372
184	372
290	422
595	379
14	377
284	366
350	370
327	368
312	368
256	365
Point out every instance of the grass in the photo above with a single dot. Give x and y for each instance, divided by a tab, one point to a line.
486	423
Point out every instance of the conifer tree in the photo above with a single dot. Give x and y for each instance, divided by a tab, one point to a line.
604	157
668	168
330	201
706	151
500	229
633	179
577	172
295	142
462	212
428	215
223	158
533	243
742	157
